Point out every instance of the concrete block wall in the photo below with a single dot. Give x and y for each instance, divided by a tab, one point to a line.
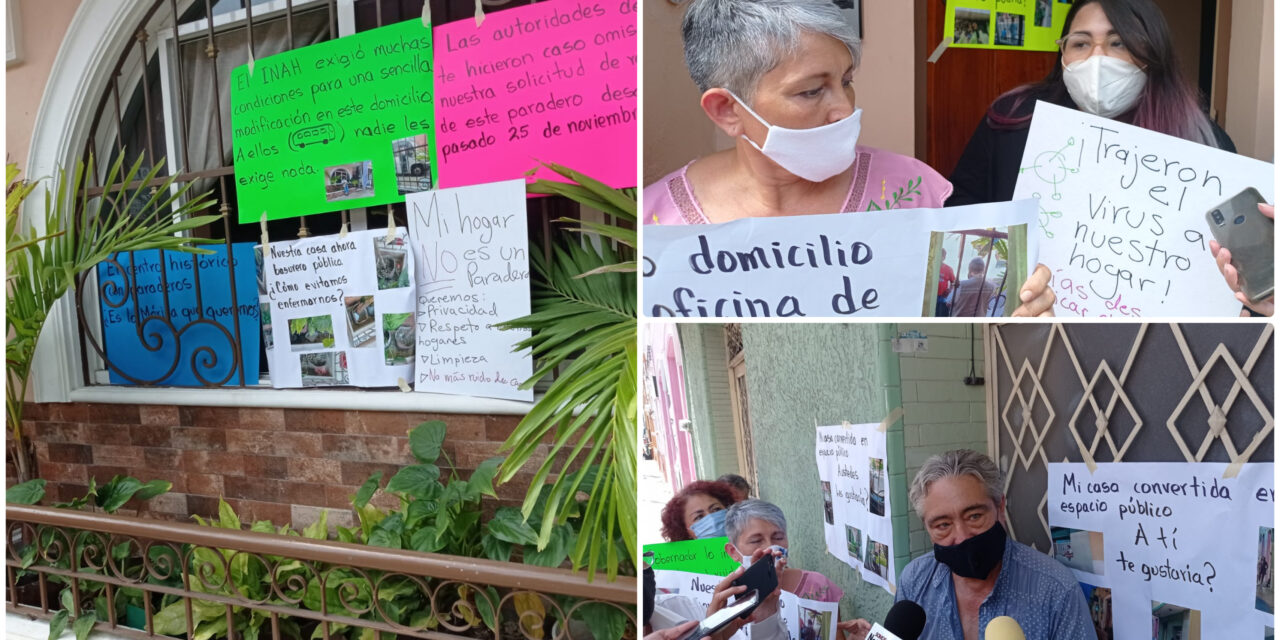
940	412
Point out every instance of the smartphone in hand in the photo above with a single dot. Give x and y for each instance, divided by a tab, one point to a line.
716	621
1240	228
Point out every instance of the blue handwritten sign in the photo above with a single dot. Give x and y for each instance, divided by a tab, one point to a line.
193	344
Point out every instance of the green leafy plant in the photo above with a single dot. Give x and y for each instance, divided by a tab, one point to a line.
584	320
444	514
108	498
243	576
79	232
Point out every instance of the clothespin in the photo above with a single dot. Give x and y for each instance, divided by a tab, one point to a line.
426	14
266	243
342	233
391	226
846	425
404	386
479	14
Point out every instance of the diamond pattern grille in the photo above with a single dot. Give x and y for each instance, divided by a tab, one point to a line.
1100	393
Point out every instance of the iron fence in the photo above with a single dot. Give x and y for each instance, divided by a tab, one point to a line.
297	586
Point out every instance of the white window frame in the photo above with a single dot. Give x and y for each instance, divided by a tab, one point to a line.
98	33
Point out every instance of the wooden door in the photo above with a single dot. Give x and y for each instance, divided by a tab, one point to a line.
962	84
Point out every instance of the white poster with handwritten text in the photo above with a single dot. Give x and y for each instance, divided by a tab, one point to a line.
843	265
1168	545
817	619
857	516
471	246
1122	215
338	310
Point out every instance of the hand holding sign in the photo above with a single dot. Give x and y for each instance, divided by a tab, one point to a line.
1122	215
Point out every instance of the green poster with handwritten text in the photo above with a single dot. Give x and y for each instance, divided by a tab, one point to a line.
336	125
707	557
1029	25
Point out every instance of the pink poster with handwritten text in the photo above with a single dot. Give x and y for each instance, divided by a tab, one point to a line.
553	81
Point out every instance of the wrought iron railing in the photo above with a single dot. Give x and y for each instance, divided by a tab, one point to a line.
298	586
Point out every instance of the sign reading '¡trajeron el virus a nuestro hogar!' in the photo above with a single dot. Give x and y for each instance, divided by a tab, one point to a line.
340	124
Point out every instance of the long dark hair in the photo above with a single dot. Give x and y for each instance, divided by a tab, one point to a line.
1168	104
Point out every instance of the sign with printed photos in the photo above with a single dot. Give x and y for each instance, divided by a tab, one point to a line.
338	310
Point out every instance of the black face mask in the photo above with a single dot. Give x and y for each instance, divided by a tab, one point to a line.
975	557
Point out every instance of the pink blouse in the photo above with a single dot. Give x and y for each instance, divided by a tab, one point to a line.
815	586
881	180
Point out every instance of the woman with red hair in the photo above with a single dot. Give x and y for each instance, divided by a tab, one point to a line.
697	511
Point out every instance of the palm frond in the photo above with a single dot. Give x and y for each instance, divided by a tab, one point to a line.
79	232
583	326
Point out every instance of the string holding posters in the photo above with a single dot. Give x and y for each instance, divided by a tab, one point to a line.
1028	25
686	574
1163	545
340	124
551	81
339	310
193	345
866	264
857	506
471	246
1122	215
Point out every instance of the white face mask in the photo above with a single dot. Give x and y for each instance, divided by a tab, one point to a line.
746	557
1103	85
813	154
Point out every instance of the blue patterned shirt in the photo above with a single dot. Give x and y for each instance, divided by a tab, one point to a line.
1037	591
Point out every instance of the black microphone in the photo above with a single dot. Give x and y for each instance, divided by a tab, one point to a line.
905	621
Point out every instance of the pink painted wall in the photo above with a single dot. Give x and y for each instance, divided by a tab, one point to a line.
674	446
43	24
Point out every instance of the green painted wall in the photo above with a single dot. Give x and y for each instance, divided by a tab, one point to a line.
799	374
706	373
940	412
692	348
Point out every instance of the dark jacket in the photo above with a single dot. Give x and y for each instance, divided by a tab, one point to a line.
988	168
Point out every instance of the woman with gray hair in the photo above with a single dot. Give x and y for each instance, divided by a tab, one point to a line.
752	525
777	77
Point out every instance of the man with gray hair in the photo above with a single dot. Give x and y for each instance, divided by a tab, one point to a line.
960	497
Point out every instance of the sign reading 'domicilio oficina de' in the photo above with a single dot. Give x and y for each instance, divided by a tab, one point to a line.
339	124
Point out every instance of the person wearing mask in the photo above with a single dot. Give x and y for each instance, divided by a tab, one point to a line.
777	77
1115	60
975	572
697	511
753	526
